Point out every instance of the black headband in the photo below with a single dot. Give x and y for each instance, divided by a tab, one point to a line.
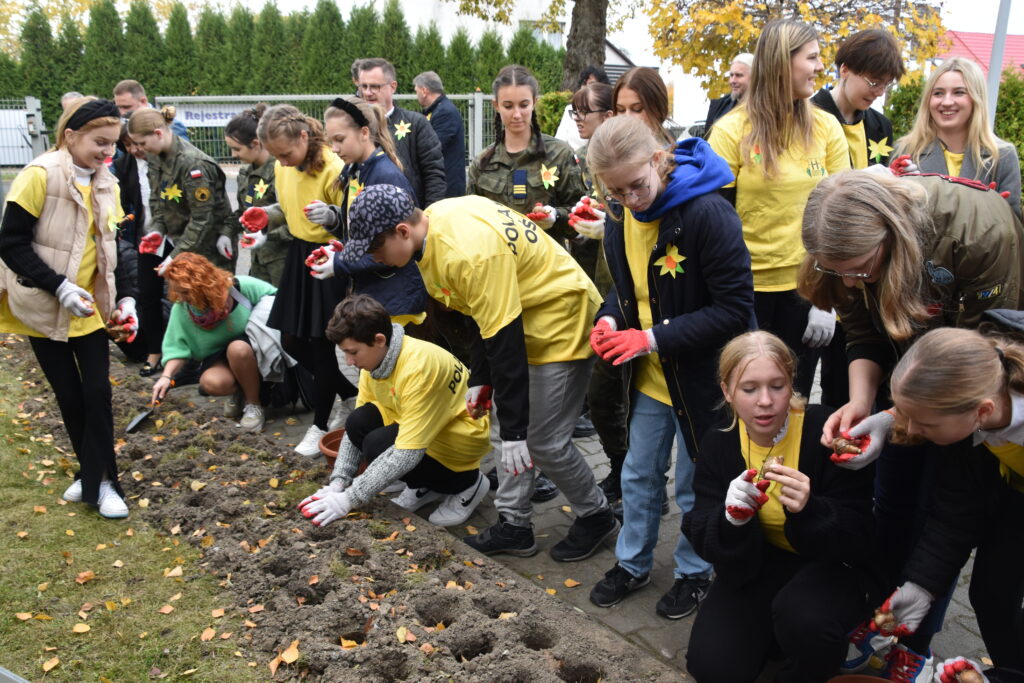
352	110
93	109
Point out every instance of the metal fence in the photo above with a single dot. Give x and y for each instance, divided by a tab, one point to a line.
205	117
22	134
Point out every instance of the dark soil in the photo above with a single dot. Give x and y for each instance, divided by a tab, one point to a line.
362	580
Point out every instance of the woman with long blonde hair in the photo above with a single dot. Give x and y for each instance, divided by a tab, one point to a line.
779	147
952	136
896	257
790	536
964	392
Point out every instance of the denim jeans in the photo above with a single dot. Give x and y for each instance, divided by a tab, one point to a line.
652	428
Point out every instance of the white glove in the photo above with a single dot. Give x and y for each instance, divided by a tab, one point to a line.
127	316
322	271
162	268
77	300
515	456
592	229
878	169
949	670
871	433
744	498
545	222
821	325
320	213
909	605
331	506
224	246
253	240
334	487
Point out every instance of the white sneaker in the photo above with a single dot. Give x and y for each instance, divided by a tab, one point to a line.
252	418
112	505
456	508
340	413
73	493
396	486
309	447
413	499
233	405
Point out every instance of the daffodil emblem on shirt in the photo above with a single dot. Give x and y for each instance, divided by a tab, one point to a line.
671	263
260	188
878	149
442	292
402	129
548	176
171	193
757	154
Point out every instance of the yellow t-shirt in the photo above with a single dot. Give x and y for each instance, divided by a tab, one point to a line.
640	239
295	189
856	140
493	264
772	209
1011	463
426	396
772	515
954	162
29	192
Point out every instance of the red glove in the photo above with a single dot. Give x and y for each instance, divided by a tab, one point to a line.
321	254
150	244
478	400
624	346
254	219
537	215
948	671
601	330
902	165
1005	194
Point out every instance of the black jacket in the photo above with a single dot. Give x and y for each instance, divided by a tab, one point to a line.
877	128
447	123
716	110
695	312
836	524
420	153
126	169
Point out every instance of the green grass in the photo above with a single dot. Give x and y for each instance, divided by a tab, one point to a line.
128	637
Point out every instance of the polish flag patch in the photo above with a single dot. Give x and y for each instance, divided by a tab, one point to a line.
196	173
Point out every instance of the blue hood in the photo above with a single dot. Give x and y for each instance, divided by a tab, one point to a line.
698	171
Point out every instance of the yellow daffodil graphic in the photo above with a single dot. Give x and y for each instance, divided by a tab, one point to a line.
878	149
548	176
442	292
260	188
171	193
671	263
402	128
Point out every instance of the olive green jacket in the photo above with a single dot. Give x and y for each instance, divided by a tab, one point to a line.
256	188
553	178
188	203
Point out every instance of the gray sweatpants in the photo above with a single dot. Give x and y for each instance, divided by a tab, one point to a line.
556	399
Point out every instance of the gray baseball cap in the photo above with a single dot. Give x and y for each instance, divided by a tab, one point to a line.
377	209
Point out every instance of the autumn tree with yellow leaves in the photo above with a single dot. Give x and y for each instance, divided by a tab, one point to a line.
702	36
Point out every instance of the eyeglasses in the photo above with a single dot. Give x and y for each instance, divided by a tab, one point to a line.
853	276
579	114
636	193
875	85
371	87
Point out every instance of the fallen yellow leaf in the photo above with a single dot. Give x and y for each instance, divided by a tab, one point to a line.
118	564
143	503
171	573
80	628
110	605
256	608
137	476
175	597
70	532
313	580
292	653
43	617
43	586
550	591
84	577
427	648
197	485
24	616
348	644
22	534
217	613
226	635
401	633
571	583
50	663
274	483
207	634
39	509
508	615
166	609
273	664
471	530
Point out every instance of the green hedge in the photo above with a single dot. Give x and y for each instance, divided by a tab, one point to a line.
550	107
902	108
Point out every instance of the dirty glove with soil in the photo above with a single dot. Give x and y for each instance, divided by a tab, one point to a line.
954	670
478	400
126	316
909	604
744	498
870	435
78	301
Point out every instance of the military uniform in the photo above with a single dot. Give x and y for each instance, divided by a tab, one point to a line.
256	188
522	180
188	203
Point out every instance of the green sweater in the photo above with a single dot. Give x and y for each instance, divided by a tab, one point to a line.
185	339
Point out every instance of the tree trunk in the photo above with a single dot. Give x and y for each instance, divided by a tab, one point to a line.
585	45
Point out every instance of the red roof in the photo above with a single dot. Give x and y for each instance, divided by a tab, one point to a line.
978	47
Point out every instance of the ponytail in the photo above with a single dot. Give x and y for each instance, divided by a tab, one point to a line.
284	120
242	126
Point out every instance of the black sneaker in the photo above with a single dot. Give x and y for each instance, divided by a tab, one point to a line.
612	486
504	537
683	598
492	476
544	489
585	536
616	584
584	427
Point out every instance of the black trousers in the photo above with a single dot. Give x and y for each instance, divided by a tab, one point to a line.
365	428
78	371
802	608
150	304
784	314
316	354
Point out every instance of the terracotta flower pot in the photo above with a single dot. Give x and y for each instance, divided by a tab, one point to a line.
329	444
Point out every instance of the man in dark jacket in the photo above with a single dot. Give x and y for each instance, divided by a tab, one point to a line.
415	140
739	80
447	123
